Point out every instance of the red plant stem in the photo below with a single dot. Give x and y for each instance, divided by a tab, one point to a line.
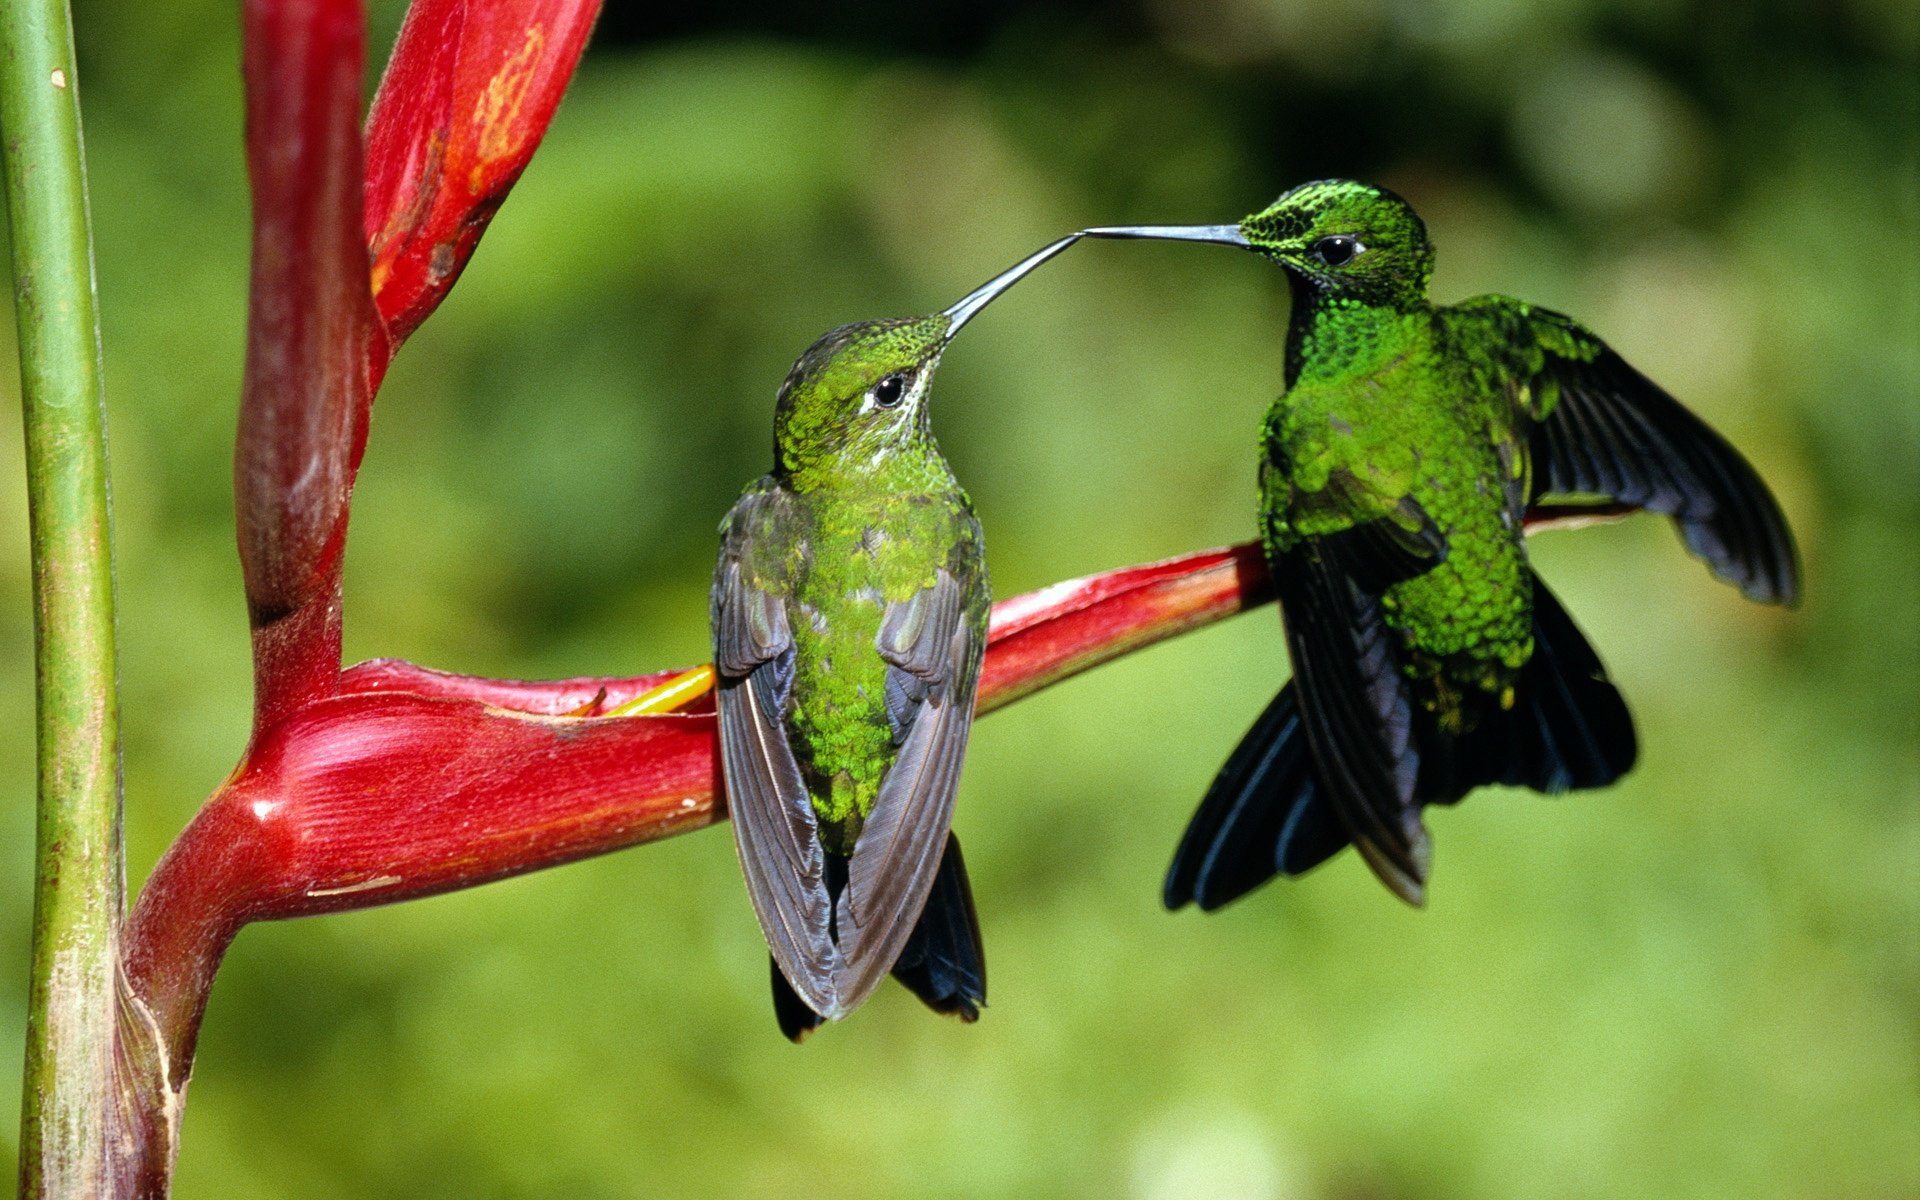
1046	636
311	321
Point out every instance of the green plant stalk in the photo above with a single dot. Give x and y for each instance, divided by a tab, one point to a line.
78	888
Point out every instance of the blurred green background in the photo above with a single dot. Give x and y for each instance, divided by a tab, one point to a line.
1701	983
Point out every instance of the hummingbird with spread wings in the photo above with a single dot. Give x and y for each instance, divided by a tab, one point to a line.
1395	474
849	615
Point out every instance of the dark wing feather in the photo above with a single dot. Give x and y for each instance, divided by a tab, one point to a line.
932	640
1608	430
773	822
1378	553
1354	705
1582	733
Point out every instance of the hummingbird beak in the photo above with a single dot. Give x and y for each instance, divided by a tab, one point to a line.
963	310
1223	235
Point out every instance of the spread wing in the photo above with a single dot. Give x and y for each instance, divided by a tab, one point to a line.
933	643
1602	428
773	821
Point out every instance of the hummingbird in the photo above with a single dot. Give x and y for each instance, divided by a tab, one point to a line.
1395	473
849	616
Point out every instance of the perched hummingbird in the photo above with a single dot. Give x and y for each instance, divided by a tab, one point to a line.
1395	471
849	616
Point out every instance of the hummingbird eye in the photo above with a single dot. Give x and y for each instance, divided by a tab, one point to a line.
1338	250
890	391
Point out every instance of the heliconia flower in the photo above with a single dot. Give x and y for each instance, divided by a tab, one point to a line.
409	781
354	244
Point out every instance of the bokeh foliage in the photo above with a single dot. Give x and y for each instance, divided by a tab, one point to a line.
1701	983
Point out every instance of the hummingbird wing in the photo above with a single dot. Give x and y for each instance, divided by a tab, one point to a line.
933	644
1602	428
773	822
1354	700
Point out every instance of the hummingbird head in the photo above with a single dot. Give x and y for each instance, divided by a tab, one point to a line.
1340	238
860	392
1347	239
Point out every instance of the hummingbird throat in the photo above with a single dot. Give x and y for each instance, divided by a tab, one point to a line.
1333	336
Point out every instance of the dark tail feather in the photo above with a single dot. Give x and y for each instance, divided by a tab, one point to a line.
1568	728
1265	814
943	962
795	1018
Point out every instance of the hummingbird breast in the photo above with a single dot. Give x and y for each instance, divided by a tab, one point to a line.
1350	445
865	553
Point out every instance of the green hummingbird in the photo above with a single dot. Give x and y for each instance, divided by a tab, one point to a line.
849	616
1395	473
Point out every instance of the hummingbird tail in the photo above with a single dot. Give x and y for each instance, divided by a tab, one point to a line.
1265	815
943	961
796	1020
1568	728
1267	812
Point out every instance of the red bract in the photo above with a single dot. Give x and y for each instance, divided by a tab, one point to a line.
311	328
465	101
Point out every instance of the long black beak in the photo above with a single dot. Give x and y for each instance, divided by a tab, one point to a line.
1223	235
964	309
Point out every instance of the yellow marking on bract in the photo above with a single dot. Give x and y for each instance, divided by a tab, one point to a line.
676	693
499	106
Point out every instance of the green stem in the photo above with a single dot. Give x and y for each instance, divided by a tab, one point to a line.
66	1112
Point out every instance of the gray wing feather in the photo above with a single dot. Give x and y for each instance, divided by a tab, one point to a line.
894	863
915	634
914	637
749	626
773	821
